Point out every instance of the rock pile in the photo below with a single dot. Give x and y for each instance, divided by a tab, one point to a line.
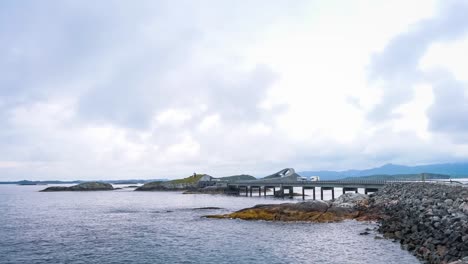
430	220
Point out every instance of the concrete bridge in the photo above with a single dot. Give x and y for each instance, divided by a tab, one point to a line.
279	185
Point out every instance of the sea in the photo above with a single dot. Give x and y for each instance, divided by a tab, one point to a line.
124	226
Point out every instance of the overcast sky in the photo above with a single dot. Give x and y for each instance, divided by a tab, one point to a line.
162	89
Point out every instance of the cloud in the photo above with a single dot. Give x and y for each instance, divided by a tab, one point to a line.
449	112
100	85
397	66
159	89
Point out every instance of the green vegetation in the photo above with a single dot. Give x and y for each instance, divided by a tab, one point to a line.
188	180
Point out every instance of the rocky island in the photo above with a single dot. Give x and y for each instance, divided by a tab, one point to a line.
348	206
86	186
191	182
197	183
428	219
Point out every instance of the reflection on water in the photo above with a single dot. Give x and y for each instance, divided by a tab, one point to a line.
160	227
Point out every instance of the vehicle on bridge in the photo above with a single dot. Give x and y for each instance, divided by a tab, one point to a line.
312	178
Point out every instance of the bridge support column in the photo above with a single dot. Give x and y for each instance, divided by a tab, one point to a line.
332	189
246	191
291	192
274	191
259	191
250	187
303	193
313	189
264	191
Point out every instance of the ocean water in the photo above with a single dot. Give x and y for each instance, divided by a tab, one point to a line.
162	227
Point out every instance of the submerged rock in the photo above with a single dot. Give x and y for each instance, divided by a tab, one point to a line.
208	208
86	186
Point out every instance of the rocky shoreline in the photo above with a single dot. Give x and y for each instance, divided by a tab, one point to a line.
430	220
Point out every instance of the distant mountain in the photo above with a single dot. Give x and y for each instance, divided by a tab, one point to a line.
401	177
452	169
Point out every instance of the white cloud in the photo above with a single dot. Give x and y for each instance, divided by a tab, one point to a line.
452	56
163	90
174	117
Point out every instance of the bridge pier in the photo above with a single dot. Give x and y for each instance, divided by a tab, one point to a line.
326	189
305	188
291	192
282	191
246	188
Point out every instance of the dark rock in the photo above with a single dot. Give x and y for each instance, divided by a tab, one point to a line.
207	208
86	186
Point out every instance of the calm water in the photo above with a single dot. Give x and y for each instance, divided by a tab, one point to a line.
153	227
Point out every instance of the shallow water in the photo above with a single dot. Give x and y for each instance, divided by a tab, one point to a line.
161	227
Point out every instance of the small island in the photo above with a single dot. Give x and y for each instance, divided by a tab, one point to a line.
86	186
347	206
196	183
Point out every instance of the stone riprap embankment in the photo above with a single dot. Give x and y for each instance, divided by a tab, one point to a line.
430	220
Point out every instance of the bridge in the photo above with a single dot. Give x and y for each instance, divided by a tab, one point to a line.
258	185
287	179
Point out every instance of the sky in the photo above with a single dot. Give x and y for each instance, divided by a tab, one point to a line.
162	89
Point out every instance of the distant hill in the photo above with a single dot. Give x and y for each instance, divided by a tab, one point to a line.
453	169
242	177
400	177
